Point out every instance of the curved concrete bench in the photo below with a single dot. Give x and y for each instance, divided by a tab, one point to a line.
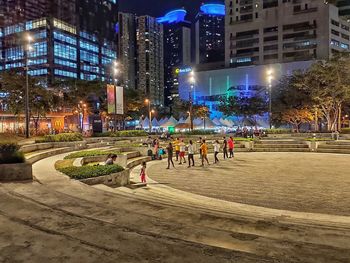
28	148
117	179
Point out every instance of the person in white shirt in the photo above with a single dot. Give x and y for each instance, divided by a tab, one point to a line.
216	150
190	154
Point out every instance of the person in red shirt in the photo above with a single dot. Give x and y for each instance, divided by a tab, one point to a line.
143	172
231	147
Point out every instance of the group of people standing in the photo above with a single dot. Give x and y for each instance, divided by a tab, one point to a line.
180	151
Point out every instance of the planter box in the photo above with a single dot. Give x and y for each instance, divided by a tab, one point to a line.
16	172
118	179
121	159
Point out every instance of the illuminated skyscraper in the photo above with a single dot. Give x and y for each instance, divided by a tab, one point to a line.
150	67
177	48
210	34
127	49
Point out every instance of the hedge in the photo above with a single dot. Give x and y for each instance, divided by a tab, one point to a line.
61	137
199	132
9	153
278	131
85	172
89	154
127	133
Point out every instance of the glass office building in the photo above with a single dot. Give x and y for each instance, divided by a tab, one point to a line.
59	50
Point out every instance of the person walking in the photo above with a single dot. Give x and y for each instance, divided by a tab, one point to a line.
216	151
224	148
170	151
182	146
200	150
231	147
143	172
190	154
177	148
204	152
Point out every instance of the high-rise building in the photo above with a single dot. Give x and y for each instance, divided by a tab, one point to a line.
59	50
177	48
19	11
210	34
71	38
344	8
127	49
275	31
150	66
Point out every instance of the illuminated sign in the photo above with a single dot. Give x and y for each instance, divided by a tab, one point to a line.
183	70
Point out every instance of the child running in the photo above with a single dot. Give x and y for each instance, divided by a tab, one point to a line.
143	172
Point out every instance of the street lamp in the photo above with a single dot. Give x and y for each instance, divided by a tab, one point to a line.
192	82
147	101
115	80
28	47
269	80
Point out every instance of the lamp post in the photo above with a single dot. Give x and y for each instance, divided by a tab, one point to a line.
28	47
192	82
147	101
269	79
115	79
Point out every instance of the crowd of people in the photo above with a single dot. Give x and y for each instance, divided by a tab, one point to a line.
180	149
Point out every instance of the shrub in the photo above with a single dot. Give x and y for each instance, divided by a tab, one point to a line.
85	172
127	133
345	130
89	154
278	131
9	153
62	137
200	132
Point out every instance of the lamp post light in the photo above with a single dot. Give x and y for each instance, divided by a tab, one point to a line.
28	48
192	82
148	101
115	80
269	80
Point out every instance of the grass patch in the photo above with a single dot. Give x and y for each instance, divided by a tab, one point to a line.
127	133
85	172
82	154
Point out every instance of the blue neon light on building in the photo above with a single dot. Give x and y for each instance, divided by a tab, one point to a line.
213	9
174	16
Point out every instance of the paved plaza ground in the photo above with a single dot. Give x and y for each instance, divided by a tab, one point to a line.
305	182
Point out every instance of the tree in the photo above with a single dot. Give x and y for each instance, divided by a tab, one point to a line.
244	108
296	117
328	83
41	100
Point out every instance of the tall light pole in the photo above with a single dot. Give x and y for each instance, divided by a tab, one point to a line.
269	80
148	101
27	48
115	79
192	82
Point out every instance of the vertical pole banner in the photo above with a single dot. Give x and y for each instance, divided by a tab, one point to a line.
120	100
111	99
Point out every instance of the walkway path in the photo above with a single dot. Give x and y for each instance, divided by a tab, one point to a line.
60	220
305	182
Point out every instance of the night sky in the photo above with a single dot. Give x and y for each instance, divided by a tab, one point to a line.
160	7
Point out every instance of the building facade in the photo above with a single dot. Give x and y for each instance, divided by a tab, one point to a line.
212	85
59	50
210	34
279	31
127	49
177	48
344	8
150	65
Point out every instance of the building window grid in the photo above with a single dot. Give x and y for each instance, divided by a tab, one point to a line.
65	51
65	38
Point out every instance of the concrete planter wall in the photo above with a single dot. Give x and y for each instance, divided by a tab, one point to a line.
118	179
121	160
16	172
48	145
